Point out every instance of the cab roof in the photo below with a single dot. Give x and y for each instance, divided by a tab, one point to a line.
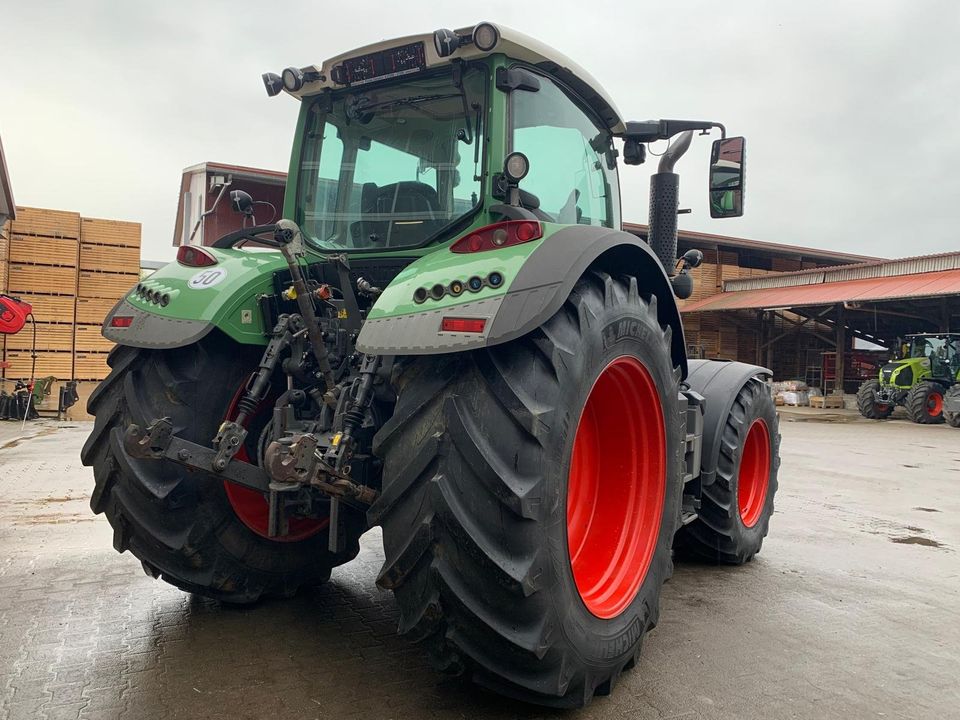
513	44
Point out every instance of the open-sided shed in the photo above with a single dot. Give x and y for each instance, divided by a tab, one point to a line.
878	301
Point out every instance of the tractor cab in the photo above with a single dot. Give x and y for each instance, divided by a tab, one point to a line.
941	351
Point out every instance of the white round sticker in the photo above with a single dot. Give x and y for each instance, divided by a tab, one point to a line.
207	278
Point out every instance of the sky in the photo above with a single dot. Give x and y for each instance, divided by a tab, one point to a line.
849	108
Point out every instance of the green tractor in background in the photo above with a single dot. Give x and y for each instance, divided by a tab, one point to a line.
925	381
449	336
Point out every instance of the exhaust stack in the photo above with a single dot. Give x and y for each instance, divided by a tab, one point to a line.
664	203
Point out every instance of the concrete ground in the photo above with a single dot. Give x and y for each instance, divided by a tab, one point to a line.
850	611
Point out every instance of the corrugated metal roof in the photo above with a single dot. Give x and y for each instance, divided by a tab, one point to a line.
946	282
703	240
860	271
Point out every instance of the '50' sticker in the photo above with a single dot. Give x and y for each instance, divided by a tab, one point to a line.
207	278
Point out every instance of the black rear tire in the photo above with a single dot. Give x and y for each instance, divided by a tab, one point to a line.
867	401
724	532
180	524
952	418
924	403
477	458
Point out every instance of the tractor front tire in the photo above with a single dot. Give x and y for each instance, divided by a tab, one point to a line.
736	507
531	494
925	403
952	418
867	402
182	525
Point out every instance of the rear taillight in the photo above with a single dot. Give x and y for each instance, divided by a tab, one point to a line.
121	321
463	325
194	256
499	235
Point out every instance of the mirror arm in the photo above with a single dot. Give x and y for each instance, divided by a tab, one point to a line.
653	130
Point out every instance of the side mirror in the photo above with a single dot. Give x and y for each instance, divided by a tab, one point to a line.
727	167
241	202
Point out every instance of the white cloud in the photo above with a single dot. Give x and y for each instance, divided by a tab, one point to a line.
848	107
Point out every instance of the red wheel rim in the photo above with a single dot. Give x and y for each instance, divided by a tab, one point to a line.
934	404
251	506
754	476
616	487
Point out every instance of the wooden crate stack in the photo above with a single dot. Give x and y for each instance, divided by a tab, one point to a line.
42	270
109	267
72	270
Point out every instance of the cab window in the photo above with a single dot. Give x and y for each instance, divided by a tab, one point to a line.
572	163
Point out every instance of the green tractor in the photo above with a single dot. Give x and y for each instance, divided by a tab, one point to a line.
921	381
449	336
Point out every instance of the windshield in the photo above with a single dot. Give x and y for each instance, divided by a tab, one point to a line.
390	167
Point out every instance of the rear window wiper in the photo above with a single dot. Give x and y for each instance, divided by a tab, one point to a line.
362	105
362	108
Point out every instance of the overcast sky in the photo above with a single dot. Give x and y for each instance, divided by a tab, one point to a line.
850	108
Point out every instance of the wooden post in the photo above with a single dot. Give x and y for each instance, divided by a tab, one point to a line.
771	330
841	349
759	337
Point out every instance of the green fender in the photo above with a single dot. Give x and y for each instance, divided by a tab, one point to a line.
198	299
539	277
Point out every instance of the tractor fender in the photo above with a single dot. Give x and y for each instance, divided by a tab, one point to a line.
152	331
535	294
719	382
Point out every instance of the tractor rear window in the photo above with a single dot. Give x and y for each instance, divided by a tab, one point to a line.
391	167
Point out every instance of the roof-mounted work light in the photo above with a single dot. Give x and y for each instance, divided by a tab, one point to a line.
292	79
485	37
446	42
273	83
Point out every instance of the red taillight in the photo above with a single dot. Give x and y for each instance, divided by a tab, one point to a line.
463	325
498	235
194	256
121	321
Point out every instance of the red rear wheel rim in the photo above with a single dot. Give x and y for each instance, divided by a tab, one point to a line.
616	487
251	506
934	404
754	476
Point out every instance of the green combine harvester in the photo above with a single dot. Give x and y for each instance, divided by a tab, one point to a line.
924	381
449	336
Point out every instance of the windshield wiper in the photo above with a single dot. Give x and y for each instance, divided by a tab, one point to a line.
362	108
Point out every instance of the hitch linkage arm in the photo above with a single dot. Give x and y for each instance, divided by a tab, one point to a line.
232	433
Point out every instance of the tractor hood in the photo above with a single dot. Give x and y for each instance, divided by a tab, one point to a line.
179	304
901	373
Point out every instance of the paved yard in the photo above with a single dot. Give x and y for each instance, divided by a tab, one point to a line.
852	610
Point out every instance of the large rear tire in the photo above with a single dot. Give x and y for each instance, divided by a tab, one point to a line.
952	418
531	494
867	401
925	403
736	507
182	525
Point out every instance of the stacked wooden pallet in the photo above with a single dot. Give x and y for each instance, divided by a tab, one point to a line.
72	270
109	267
42	270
